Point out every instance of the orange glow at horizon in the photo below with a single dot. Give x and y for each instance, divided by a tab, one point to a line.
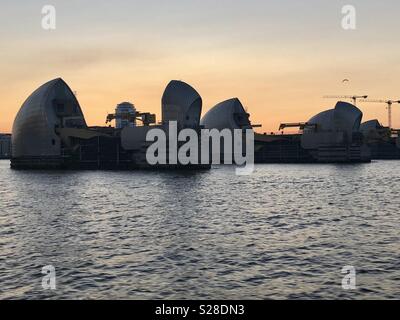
269	102
278	64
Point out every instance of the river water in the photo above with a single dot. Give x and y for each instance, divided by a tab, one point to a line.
286	231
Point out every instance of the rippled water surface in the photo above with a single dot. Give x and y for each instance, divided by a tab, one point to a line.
284	232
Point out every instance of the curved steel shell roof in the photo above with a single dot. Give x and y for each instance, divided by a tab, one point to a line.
344	117
181	103
370	125
33	132
228	114
332	126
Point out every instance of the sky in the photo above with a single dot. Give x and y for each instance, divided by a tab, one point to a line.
278	57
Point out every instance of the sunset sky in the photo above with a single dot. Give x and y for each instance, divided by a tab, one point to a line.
278	57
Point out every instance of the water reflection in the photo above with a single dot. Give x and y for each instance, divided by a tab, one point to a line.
284	232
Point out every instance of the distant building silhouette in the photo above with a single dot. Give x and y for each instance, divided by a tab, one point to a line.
5	146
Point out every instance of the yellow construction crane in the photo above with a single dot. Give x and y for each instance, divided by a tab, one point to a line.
353	98
389	107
